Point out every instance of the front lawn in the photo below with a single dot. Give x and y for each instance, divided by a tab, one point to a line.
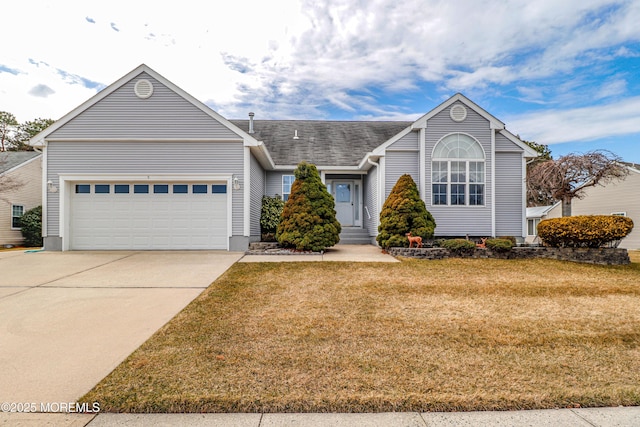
457	334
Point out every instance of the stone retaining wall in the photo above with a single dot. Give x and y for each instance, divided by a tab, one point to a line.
604	256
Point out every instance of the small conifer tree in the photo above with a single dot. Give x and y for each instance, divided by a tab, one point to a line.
404	212
309	217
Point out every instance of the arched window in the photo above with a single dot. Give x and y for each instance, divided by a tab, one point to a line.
457	171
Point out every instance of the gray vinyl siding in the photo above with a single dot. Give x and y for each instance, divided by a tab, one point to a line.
505	145
122	114
257	191
407	142
398	163
509	202
460	220
370	201
274	182
145	157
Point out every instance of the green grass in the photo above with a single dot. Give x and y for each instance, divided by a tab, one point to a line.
447	335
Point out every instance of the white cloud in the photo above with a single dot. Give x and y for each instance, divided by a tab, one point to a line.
579	124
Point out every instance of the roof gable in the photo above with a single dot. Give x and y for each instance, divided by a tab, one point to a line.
458	97
138	110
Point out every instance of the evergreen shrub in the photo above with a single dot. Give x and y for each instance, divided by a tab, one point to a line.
584	231
499	245
308	218
403	212
31	227
458	245
270	216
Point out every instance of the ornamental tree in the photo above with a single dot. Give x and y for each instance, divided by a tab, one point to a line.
403	212
309	217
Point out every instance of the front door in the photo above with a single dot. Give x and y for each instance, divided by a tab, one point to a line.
343	194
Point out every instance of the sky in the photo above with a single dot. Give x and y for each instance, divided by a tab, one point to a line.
560	72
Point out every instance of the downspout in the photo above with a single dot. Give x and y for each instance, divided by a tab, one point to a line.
372	163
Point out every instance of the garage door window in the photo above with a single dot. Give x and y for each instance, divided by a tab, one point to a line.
161	188
141	188
103	188
83	189
121	189
219	189
180	189
199	189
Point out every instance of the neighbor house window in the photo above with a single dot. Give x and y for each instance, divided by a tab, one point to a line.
16	212
457	172
287	182
619	213
532	226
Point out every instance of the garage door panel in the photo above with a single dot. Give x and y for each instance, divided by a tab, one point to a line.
148	220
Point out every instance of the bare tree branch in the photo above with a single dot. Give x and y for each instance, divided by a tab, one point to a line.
567	178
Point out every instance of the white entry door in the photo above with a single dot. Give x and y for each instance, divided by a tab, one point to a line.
343	194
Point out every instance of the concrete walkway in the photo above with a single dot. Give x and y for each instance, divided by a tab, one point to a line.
86	273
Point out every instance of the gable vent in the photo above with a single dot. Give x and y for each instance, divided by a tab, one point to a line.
458	113
143	89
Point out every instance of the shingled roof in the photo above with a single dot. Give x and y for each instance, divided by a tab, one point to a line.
11	159
323	143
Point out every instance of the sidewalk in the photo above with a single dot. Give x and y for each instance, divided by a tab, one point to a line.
585	417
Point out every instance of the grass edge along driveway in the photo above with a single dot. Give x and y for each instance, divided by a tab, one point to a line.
412	336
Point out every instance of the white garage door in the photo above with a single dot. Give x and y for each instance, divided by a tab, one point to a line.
148	216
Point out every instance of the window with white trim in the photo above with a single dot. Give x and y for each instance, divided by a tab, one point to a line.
458	172
16	213
287	182
532	226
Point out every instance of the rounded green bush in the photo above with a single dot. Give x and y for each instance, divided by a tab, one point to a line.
584	231
31	227
499	245
270	216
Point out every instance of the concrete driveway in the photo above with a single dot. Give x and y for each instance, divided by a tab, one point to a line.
67	319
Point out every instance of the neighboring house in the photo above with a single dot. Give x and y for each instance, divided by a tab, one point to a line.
615	198
537	214
144	165
22	170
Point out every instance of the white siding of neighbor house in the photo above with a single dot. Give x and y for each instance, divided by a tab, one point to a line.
165	114
460	220
509	203
28	194
370	202
619	196
144	157
257	191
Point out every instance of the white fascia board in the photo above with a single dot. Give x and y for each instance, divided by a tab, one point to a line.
528	151
364	163
167	140
346	169
263	156
122	177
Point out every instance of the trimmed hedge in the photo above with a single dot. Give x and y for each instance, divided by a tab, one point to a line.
500	244
458	244
584	231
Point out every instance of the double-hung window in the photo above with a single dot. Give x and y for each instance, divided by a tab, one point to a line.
457	172
287	182
16	212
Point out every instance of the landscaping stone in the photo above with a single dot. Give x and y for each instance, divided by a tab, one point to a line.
602	256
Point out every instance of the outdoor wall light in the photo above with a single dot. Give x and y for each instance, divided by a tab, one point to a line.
52	188
236	183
